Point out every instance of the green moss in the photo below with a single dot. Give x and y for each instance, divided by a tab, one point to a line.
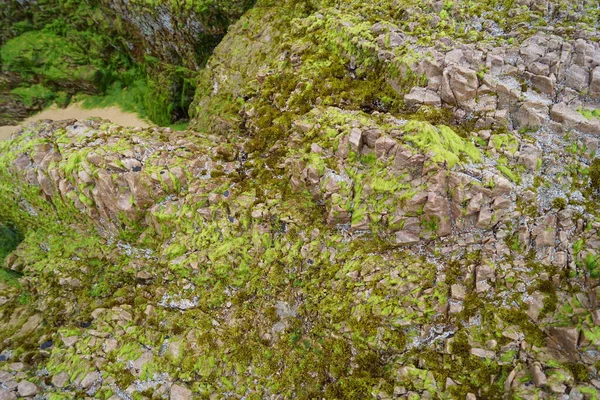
589	114
446	146
594	174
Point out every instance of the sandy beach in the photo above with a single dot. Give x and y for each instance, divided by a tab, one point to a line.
113	114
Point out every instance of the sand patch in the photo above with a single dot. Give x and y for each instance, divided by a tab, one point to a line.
113	114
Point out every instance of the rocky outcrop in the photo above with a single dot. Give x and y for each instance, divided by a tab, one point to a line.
360	214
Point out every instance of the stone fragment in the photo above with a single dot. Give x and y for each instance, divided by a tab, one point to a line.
458	292
60	380
89	379
577	78
483	353
6	394
546	238
564	337
536	303
572	119
356	140
27	389
594	91
422	96
532	114
180	393
30	325
459	85
384	146
406	238
437	208
537	373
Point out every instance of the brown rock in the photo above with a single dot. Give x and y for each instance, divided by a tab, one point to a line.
459	85
5	394
180	393
90	379
61	380
537	373
384	146
356	140
27	389
564	337
594	91
406	238
422	96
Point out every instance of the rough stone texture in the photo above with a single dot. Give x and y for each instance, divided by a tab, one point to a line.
27	389
180	393
7	395
309	218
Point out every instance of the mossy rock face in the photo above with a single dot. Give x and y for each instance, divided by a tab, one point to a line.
312	236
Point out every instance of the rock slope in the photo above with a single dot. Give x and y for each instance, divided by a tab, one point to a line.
391	200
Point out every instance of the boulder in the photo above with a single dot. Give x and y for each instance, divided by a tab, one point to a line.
437	207
384	146
90	379
537	374
564	337
531	114
545	84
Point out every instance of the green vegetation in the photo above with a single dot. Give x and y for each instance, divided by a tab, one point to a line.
442	141
589	114
594	174
9	239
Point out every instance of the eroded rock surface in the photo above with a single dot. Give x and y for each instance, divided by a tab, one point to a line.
362	212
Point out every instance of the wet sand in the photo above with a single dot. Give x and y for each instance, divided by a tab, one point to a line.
113	114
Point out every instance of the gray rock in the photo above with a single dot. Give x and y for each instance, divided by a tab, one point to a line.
405	238
537	373
7	395
536	303
545	84
27	389
60	380
356	140
572	119
564	337
384	146
594	91
458	292
419	96
483	353
437	208
180	393
546	238
532	115
459	85
577	78
90	379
